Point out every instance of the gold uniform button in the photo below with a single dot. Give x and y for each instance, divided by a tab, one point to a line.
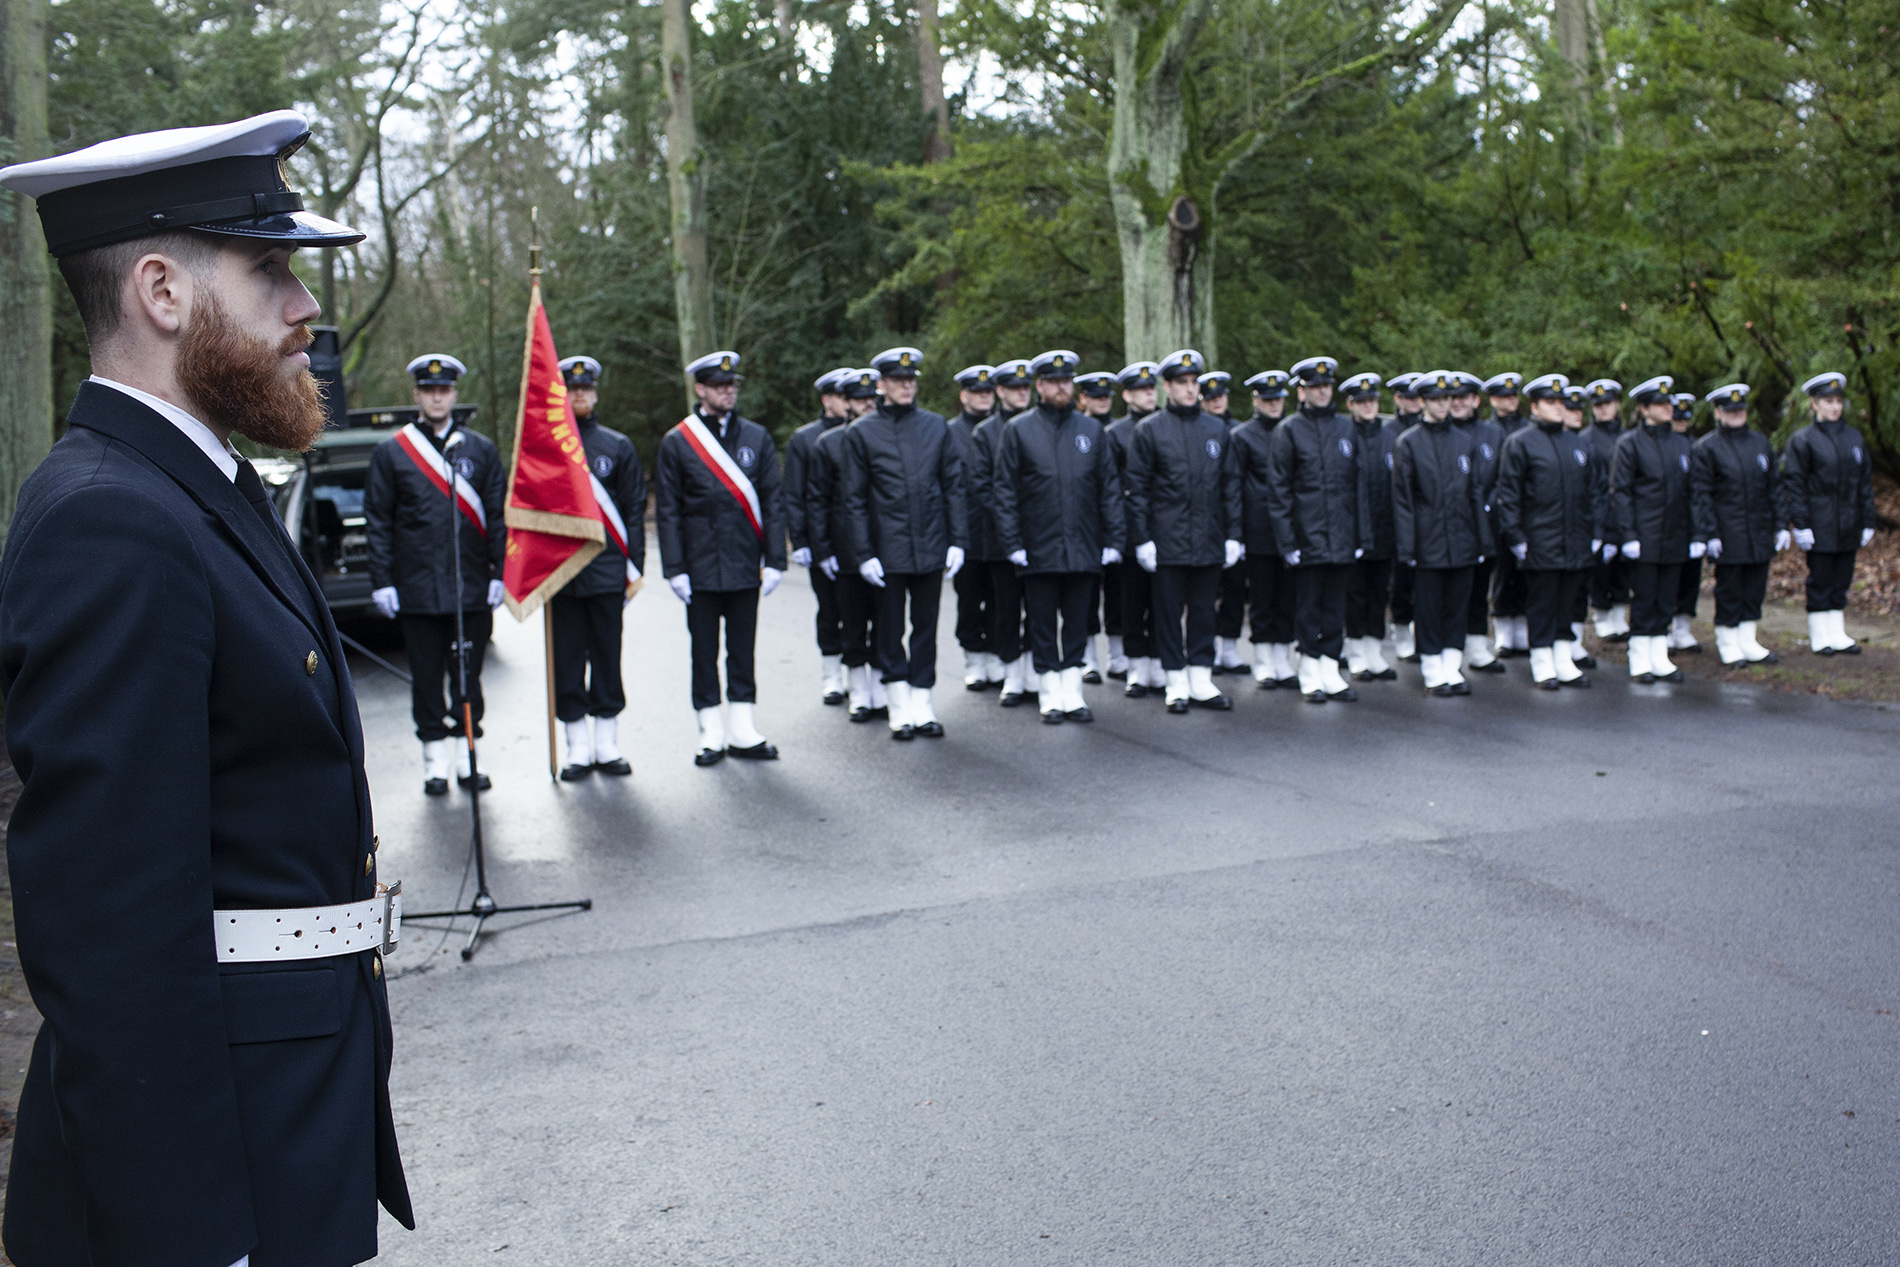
376	966
369	863
310	664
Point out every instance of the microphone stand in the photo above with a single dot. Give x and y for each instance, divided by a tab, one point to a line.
483	907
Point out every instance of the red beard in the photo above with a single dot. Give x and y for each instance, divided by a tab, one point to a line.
237	381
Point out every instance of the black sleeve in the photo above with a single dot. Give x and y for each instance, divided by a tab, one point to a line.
771	505
1138	485
630	498
1865	497
668	507
955	501
1794	483
854	495
1004	510
1230	481
1507	498
1702	490
494	493
1402	527
1280	489
817	492
797	458
379	517
1108	494
1623	490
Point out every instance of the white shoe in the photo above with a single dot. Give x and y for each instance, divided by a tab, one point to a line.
1201	683
607	741
1543	665
1837	625
1820	637
1375	656
1090	663
1751	650
1605	621
712	730
1355	656
1013	677
1521	632
1263	668
975	674
1622	613
1639	656
993	670
1564	660
921	713
740	732
899	695
874	685
1283	661
435	760
1659	662
1431	669
1069	689
1404	645
1227	653
464	768
1728	644
1477	651
580	743
1157	676
831	677
858	682
1049	693
1177	684
1449	662
1117	657
1329	679
1310	683
1576	640
1680	637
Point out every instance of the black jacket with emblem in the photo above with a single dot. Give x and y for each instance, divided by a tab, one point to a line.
1602	438
1057	493
1649	493
704	531
1552	497
1183	485
182	719
1440	518
1316	488
1375	440
904	502
976	514
1253	453
407	519
1827	476
616	464
1735	493
824	500
800	451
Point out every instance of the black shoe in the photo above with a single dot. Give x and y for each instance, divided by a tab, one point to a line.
882	710
1289	683
834	697
575	773
1119	675
1442	690
1347	696
1409	659
931	730
481	782
1822	650
1316	697
618	767
1615	637
1266	684
860	714
760	751
1581	682
1495	666
1080	714
1645	679
1092	678
435	787
1588	662
1009	699
979	685
1770	658
1694	648
709	756
1548	684
1135	690
1461	688
1177	706
1219	703
1365	675
1386	675
1052	718
1671	677
1505	653
904	733
1853	650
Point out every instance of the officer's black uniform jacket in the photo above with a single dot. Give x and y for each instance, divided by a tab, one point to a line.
1253	447
798	458
616	464
407	518
181	752
1374	440
1183	487
1316	488
1735	493
975	512
1439	515
1056	491
824	500
1603	438
702	527
1828	484
1552	497
903	489
1649	493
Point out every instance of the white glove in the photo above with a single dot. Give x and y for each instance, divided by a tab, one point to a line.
1697	549
1632	550
1610	552
1804	537
872	570
829	566
768	580
1866	537
386	601
1019	557
802	556
1146	556
1293	558
1596	545
1358	554
1715	548
1520	551
1110	555
1235	552
496	592
1783	539
953	560
1412	563
683	586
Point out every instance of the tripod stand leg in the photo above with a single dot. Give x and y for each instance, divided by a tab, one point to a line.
474	935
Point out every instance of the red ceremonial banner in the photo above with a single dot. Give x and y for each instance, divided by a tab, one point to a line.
554	526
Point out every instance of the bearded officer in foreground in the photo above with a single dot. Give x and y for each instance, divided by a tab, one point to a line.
203	1090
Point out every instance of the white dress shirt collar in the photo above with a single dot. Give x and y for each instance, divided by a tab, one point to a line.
219	451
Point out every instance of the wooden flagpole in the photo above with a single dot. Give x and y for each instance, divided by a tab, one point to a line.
547	608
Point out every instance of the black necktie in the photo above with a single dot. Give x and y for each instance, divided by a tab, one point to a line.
253	490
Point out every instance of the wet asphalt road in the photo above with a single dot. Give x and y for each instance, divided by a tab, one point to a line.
1587	977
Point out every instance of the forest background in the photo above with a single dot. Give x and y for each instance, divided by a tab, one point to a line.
1705	188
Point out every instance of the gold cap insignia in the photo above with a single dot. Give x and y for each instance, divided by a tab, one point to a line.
725	362
903	358
435	367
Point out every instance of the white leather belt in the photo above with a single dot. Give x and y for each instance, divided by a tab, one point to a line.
311	932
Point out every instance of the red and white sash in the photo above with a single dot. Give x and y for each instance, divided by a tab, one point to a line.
724	469
438	472
616	526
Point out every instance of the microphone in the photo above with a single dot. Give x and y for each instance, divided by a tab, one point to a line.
455	438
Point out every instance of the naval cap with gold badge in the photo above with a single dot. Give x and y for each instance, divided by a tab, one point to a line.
1100	384
898	362
1505	385
1604	390
1435	384
1314	371
1545	387
1832	383
436	369
1269	384
580	371
1056	363
1137	374
1733	396
1215	383
858	384
976	378
1653	391
1184	363
1361	387
226	179
1403	385
716	369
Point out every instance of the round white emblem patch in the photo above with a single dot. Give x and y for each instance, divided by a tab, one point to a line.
1464	463
1345	446
1684	459
1213	448
1761	460
1485	449
1082	444
464	467
746	455
1581	457
603	466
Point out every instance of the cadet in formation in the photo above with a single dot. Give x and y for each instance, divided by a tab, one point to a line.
975	587
1441	529
1407	412
799	450
1735	504
1828	493
1270	602
1095	396
1138	382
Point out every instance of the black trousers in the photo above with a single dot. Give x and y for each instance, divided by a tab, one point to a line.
587	656
1367	594
1439	599
1652	597
1113	579
1319	615
973	587
830	622
430	642
1550	599
1688	587
1402	605
1191	592
1006	610
1478	602
916	664
1047	596
1738	592
1138	607
1610	583
1230	613
1270	592
739	609
857	605
1507	587
1580	605
1829	576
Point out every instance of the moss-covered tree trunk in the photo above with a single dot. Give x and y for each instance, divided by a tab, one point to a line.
686	185
26	314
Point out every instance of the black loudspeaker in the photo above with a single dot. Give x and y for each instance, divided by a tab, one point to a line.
326	362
